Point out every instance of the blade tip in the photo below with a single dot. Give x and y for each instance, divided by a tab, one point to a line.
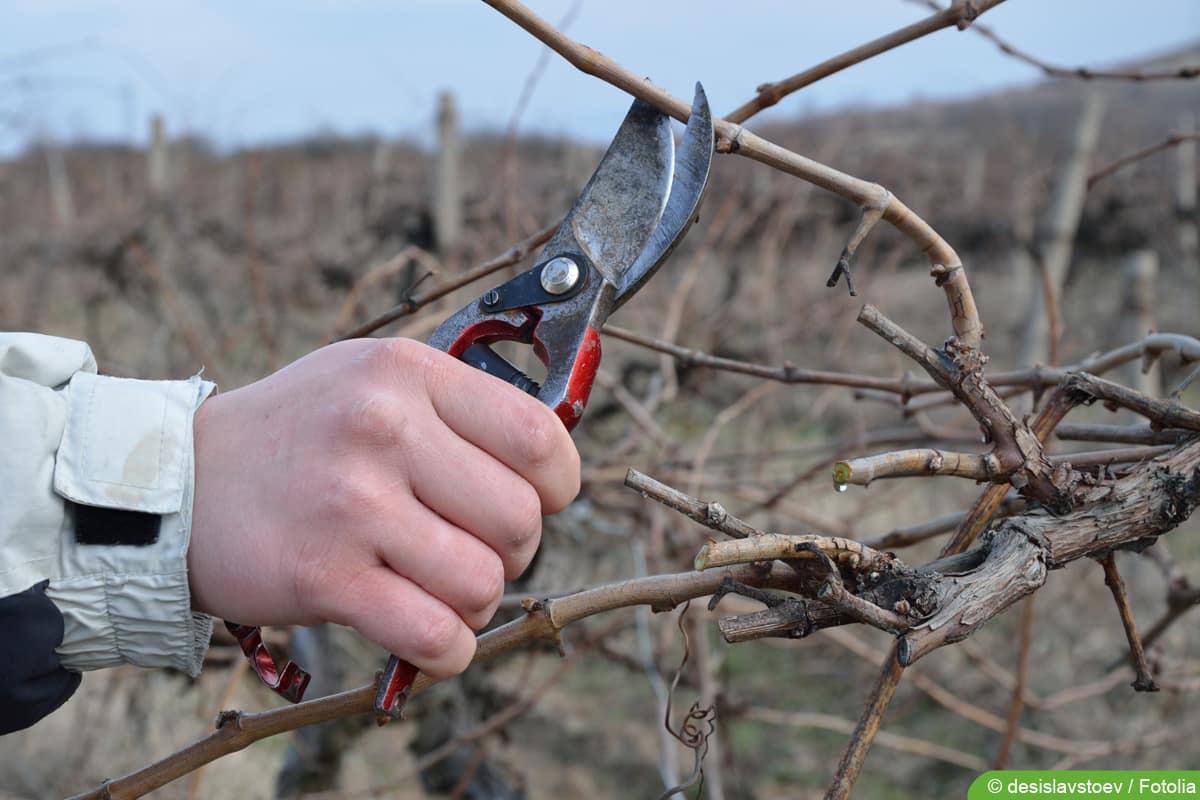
700	102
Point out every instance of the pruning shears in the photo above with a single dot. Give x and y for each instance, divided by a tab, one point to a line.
632	213
634	210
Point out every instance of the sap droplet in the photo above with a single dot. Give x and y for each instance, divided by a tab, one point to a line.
841	487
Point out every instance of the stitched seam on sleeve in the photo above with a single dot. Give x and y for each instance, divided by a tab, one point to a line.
86	422
121	576
162	436
108	613
11	568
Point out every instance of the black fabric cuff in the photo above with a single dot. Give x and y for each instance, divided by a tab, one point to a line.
32	680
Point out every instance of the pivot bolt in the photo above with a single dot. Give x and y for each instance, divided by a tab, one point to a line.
560	275
491	298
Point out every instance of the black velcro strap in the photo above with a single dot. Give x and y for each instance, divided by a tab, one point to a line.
108	526
32	681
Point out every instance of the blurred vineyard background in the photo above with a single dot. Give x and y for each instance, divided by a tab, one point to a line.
182	257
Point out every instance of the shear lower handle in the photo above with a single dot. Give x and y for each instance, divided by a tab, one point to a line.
288	682
482	357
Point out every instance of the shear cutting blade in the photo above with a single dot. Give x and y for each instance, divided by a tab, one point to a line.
624	200
641	199
687	188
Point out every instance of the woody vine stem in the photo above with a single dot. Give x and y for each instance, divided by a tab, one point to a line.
812	582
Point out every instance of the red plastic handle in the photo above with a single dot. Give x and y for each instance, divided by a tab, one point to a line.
579	384
289	682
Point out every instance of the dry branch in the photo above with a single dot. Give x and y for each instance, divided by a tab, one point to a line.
1173	140
958	15
712	514
788	373
892	741
1017	703
910	463
173	305
1181	597
1150	501
871	214
1167	414
770	546
1018	456
1120	434
543	621
1055	238
928	607
904	537
414	302
866	729
1153	499
1036	378
1112	579
946	265
1083	73
1081	748
376	277
927	462
978	518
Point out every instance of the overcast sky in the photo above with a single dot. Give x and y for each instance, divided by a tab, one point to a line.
243	72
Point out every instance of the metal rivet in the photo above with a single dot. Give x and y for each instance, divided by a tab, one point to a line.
491	298
560	275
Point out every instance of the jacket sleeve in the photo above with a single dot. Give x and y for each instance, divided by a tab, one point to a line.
96	478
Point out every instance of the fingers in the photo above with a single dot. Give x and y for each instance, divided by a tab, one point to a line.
477	493
402	618
445	561
511	426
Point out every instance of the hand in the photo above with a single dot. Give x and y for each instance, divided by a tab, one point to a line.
379	484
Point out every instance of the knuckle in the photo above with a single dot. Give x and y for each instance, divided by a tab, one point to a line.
346	495
452	664
573	483
441	374
438	637
525	531
373	418
486	588
405	363
538	437
386	356
365	415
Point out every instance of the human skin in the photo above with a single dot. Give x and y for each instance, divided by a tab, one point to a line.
375	483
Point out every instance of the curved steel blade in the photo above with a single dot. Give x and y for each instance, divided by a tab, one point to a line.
687	189
623	201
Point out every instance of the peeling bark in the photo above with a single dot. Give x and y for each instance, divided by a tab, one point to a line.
1128	513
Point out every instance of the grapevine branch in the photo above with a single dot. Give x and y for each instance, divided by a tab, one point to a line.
1151	500
417	300
543	621
819	581
1085	73
1148	349
959	15
1112	578
947	267
1172	140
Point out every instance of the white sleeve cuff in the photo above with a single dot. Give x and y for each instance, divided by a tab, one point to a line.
127	445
